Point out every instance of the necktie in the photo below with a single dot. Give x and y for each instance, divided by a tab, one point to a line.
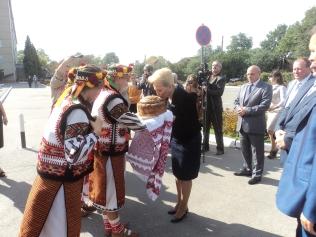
248	92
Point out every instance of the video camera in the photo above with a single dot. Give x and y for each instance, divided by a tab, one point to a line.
203	74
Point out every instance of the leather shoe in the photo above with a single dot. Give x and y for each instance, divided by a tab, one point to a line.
172	211
176	220
254	180
243	173
206	148
218	153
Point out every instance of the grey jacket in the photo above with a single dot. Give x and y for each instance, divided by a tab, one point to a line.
256	105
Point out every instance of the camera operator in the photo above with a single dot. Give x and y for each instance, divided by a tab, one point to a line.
214	109
144	85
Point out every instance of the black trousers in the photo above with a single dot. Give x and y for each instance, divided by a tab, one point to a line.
214	118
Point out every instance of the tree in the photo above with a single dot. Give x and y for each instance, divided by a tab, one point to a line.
110	58
93	59
31	61
267	60
207	51
240	42
297	36
43	58
273	38
138	69
20	56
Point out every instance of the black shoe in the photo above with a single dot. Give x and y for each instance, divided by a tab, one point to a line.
243	173
172	211
218	153
176	220
254	180
273	154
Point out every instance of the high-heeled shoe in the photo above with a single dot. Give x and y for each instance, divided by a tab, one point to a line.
173	210
176	219
273	154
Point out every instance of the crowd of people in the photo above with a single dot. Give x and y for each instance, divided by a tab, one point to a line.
81	160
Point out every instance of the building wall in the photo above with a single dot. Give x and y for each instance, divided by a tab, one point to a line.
8	51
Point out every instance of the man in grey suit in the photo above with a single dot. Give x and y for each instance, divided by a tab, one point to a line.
251	104
301	93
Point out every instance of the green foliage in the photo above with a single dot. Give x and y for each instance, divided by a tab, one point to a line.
31	60
43	58
240	42
20	56
273	38
96	60
297	36
110	58
138	69
265	76
267	60
234	63
287	77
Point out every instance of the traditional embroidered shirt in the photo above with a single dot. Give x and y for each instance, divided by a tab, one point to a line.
63	153
148	152
113	110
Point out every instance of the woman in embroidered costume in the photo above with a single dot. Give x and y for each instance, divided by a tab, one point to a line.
107	184
53	205
185	137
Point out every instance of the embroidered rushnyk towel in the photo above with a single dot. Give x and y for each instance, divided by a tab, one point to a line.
148	152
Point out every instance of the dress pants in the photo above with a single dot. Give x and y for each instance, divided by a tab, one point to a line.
252	148
215	119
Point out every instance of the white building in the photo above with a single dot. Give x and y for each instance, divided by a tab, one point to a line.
8	41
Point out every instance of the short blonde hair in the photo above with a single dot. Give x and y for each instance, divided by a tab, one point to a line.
163	75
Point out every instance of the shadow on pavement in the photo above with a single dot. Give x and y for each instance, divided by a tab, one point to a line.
15	191
151	221
232	161
31	149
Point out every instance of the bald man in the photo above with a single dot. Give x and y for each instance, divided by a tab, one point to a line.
252	102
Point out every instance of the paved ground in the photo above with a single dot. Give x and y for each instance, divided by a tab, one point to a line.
221	204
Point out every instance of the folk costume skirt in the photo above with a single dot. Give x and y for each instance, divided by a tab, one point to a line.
107	183
52	209
186	158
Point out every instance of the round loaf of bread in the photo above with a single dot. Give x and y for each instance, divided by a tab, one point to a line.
151	106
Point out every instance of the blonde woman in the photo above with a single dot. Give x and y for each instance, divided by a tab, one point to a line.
185	143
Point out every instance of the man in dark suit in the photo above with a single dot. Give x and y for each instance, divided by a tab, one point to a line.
251	104
297	105
144	85
296	196
214	111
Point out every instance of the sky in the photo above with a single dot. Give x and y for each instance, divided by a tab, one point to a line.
143	28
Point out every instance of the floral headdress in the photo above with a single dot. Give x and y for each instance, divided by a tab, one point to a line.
79	77
117	71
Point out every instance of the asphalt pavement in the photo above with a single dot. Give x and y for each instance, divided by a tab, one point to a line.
221	204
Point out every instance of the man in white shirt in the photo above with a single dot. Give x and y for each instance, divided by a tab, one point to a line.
290	116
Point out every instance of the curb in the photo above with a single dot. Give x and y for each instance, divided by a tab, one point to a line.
234	143
4	96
